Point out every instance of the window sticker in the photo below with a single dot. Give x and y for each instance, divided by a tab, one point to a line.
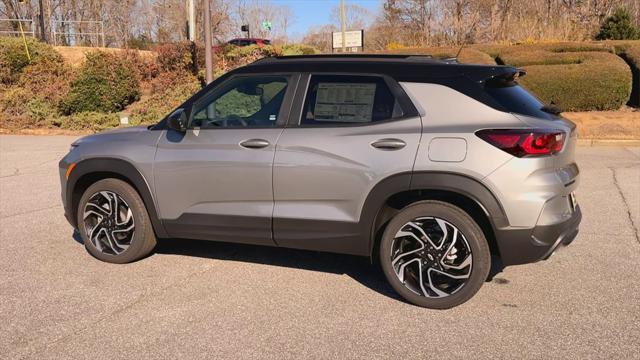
347	102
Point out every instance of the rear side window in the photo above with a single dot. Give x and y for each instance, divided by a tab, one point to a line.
346	99
517	100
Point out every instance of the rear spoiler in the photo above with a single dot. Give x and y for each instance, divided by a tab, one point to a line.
508	77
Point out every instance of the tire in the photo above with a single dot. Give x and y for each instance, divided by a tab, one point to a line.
131	233
454	264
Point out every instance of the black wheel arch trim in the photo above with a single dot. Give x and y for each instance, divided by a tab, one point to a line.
429	180
125	170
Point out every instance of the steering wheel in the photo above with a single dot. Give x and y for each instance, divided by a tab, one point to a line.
235	118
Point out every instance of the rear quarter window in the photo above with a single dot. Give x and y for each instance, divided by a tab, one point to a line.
516	99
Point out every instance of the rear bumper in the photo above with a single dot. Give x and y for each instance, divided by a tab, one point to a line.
521	246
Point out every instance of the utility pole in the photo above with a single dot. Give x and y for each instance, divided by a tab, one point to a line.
191	35
208	56
343	25
191	16
43	33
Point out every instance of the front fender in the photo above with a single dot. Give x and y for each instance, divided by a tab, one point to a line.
104	168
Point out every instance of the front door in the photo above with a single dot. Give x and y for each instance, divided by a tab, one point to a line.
215	181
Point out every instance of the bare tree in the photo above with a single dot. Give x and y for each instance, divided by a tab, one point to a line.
356	17
320	38
286	17
254	13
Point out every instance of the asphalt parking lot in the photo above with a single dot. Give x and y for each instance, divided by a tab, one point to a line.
210	300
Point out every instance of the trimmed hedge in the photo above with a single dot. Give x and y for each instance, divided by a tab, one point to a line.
575	81
105	83
630	52
632	56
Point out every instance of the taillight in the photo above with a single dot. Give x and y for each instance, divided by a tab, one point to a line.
524	142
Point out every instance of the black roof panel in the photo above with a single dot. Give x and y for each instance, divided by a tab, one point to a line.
400	67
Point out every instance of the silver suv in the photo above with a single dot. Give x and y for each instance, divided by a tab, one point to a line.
428	166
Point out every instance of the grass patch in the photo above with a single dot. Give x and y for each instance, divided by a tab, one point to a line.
611	125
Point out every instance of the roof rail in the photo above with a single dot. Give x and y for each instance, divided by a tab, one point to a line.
410	57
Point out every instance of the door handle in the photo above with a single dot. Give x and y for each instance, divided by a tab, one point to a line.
389	144
254	143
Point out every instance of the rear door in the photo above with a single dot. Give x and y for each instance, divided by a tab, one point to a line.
215	181
347	133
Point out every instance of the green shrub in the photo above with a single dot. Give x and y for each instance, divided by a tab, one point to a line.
175	57
13	100
17	122
230	57
298	49
22	109
105	83
39	109
47	77
168	91
93	121
618	27
13	57
147	67
575	81
5	72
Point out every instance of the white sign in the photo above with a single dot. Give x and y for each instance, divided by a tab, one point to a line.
348	102
351	39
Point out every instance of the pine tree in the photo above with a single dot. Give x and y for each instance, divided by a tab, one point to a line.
618	27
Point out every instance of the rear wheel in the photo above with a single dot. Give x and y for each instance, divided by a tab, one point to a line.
114	223
434	255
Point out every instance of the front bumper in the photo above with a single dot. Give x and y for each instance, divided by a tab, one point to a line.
63	165
521	246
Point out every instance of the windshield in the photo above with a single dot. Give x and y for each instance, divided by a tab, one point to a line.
518	100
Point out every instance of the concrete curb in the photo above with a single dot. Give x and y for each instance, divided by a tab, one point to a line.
608	142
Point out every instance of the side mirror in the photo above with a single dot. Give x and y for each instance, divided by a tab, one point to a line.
177	121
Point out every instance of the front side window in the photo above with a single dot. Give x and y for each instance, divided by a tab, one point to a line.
251	101
347	99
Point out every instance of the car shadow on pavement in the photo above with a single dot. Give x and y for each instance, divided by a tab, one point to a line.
356	267
359	268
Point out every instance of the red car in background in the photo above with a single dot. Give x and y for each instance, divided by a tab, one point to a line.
249	41
242	42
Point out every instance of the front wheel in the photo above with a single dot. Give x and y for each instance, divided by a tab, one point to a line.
114	223
434	255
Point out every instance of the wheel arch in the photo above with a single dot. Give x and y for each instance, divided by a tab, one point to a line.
87	172
396	192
